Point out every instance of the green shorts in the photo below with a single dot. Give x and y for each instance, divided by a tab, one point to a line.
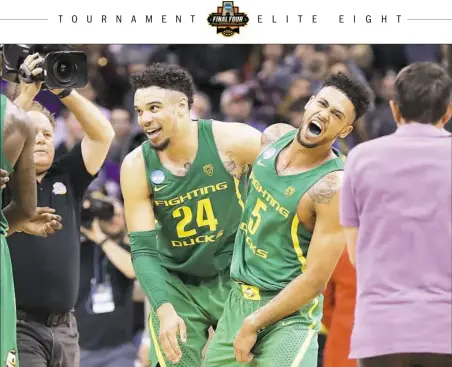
291	342
8	344
200	303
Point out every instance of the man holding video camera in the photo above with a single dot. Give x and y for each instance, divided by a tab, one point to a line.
46	329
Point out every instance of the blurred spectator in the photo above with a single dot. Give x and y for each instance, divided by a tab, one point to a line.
363	57
214	67
105	76
296	111
380	121
202	107
104	307
236	106
340	67
121	121
338	314
301	87
73	134
418	53
317	67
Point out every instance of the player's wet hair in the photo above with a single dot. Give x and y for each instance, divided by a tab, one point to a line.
356	91
423	92
165	76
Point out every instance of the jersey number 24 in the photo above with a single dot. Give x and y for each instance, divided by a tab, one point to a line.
204	217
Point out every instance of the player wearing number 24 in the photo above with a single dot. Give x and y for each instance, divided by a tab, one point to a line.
184	191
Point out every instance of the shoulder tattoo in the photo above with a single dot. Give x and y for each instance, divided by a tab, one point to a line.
324	190
187	166
272	133
234	169
16	120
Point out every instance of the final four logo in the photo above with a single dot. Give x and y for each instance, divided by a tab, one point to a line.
228	19
11	359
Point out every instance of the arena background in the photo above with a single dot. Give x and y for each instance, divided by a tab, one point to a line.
255	84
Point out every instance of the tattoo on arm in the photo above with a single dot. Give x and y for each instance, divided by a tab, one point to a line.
234	169
324	190
274	132
10	125
187	167
270	136
230	166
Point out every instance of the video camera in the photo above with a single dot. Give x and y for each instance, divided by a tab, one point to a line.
62	67
94	206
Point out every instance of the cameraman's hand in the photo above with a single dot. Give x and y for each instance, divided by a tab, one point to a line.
28	72
44	223
4	178
171	325
94	233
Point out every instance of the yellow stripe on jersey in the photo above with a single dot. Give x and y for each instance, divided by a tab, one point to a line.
296	242
155	342
238	193
311	310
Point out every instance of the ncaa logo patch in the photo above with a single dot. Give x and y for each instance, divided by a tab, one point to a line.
11	359
268	153
157	177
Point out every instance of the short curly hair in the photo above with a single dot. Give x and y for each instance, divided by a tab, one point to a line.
165	76
356	92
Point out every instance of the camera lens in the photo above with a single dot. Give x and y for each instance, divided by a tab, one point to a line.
64	70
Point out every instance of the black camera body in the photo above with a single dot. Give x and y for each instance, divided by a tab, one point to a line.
95	206
62	67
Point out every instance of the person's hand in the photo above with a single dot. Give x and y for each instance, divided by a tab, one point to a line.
4	178
170	326
44	223
28	71
244	342
95	233
143	354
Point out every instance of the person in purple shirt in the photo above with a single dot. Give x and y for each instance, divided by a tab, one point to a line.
397	213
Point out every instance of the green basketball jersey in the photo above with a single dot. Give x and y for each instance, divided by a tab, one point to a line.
198	214
271	245
4	164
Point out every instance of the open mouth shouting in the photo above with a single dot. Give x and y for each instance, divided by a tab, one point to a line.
315	128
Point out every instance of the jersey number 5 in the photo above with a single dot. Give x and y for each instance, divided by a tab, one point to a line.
255	217
204	217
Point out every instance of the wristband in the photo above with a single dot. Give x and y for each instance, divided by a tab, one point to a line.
101	243
64	93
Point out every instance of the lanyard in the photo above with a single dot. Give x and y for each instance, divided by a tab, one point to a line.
99	268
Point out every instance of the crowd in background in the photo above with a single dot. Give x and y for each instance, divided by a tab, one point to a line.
254	84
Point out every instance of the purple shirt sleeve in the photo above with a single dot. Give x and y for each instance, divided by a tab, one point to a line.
348	210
